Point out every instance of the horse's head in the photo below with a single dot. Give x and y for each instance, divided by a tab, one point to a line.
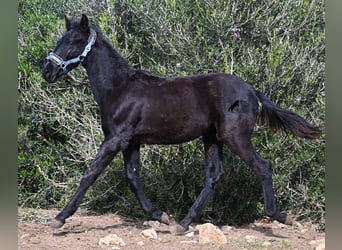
71	49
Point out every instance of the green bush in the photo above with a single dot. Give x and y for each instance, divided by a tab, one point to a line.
278	47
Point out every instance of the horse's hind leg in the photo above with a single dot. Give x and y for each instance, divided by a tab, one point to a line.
214	171
237	135
132	164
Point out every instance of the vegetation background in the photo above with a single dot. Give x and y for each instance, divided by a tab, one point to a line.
277	46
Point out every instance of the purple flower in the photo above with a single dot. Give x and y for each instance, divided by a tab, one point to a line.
236	36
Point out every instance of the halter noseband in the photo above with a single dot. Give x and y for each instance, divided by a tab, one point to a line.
64	64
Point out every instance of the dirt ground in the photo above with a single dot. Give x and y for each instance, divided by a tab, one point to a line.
84	231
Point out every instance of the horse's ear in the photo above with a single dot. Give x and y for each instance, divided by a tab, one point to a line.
84	24
67	22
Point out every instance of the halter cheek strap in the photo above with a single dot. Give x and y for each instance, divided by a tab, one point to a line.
64	64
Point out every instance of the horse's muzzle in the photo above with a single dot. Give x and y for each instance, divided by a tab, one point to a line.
51	73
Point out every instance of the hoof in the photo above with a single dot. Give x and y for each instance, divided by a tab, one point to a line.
180	230
165	218
288	220
56	223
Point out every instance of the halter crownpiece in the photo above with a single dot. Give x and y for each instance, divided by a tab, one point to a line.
64	64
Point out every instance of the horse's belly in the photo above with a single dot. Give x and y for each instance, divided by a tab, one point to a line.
173	131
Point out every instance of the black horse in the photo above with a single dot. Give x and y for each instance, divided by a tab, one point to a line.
137	107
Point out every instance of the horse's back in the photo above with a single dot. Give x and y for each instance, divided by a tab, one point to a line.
174	110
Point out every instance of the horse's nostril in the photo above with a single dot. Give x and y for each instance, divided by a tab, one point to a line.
46	71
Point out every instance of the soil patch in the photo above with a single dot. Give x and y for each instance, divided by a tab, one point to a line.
84	231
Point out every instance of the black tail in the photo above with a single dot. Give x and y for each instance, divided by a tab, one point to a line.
286	120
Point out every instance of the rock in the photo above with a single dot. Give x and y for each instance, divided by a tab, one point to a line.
277	224
112	240
35	240
188	242
152	223
250	238
318	244
208	233
140	243
191	234
149	233
227	229
298	225
24	236
315	242
266	244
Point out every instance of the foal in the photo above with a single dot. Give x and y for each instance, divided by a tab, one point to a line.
138	108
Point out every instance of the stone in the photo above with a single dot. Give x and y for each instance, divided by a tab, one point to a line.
298	225
209	233
24	236
318	244
112	240
152	223
191	234
35	240
266	244
149	233
188	242
227	229
276	224
250	238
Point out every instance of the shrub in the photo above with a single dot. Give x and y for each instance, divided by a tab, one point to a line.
278	47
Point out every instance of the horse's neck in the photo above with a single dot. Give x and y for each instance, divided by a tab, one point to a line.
107	71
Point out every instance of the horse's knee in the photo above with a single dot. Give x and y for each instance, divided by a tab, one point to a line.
132	175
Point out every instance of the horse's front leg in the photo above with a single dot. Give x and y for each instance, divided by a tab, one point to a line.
214	171
109	148
132	163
